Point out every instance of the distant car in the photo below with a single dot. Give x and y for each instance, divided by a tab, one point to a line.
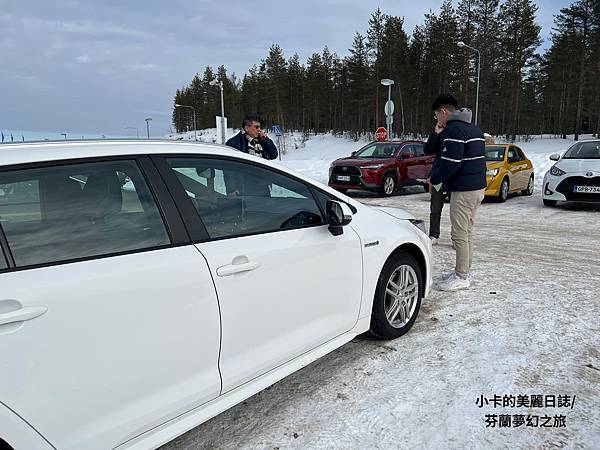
381	167
508	171
147	286
575	176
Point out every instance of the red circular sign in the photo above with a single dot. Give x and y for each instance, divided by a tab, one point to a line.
381	134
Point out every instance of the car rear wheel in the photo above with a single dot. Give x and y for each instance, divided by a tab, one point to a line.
550	202
397	297
503	190
388	185
529	190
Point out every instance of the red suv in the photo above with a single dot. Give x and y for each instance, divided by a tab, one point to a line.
381	167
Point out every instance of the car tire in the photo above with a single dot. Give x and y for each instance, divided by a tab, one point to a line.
530	187
504	187
388	185
388	323
550	202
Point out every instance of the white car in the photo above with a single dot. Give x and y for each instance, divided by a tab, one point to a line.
147	286
575	176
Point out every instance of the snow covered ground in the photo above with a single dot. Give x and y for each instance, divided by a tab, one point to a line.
528	326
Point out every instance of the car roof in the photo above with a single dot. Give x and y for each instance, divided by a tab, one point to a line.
24	153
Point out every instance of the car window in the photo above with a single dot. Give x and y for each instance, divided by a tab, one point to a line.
408	149
59	213
513	156
520	154
494	153
419	150
235	199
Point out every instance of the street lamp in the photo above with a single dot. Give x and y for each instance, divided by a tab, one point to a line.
216	82
137	130
148	119
177	105
388	119
461	44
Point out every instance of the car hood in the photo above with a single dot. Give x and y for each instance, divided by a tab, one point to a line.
494	164
395	212
359	162
579	165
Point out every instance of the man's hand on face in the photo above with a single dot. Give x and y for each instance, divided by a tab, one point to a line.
439	128
262	135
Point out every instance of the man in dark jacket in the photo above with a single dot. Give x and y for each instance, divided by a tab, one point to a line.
462	170
434	146
252	140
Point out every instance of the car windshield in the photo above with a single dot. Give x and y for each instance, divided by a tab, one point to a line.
584	150
381	150
494	153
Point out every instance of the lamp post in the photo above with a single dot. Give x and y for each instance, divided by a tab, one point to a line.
461	44
216	82
137	130
177	105
388	120
148	119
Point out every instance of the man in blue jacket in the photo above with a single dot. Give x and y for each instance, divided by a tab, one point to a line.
254	141
461	170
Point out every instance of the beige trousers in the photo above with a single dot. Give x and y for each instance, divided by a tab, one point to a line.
463	207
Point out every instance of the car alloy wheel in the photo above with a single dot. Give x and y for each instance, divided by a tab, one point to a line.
388	186
397	297
529	190
401	294
504	190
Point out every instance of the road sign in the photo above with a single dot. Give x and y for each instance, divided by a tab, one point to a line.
277	130
381	134
389	108
389	120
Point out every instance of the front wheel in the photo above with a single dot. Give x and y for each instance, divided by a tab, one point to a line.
397	297
388	185
503	190
529	190
550	202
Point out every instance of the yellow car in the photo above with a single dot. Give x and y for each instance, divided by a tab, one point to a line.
508	171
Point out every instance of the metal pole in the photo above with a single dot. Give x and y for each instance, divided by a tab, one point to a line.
401	107
477	95
148	128
386	118
194	111
222	114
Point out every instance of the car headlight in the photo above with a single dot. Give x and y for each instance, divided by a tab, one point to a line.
492	172
420	224
556	171
373	167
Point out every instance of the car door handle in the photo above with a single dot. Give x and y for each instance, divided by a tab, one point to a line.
232	269
20	315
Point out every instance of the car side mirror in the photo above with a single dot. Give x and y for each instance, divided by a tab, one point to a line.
554	156
208	172
353	154
339	215
405	155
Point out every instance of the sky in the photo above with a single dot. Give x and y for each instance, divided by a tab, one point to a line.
104	66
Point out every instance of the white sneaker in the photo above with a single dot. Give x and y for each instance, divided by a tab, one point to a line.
446	275
454	283
434	241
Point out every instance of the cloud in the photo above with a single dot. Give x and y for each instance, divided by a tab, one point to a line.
83	58
149	67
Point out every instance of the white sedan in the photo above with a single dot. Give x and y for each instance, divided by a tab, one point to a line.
147	286
575	176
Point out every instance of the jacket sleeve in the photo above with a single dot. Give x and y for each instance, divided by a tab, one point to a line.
432	146
453	148
269	149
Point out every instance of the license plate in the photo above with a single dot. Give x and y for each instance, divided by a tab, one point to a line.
587	189
343	177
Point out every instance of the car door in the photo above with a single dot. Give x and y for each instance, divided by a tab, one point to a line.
515	167
409	162
285	283
109	322
525	168
423	162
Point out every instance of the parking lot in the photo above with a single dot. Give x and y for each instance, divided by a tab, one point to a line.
528	326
